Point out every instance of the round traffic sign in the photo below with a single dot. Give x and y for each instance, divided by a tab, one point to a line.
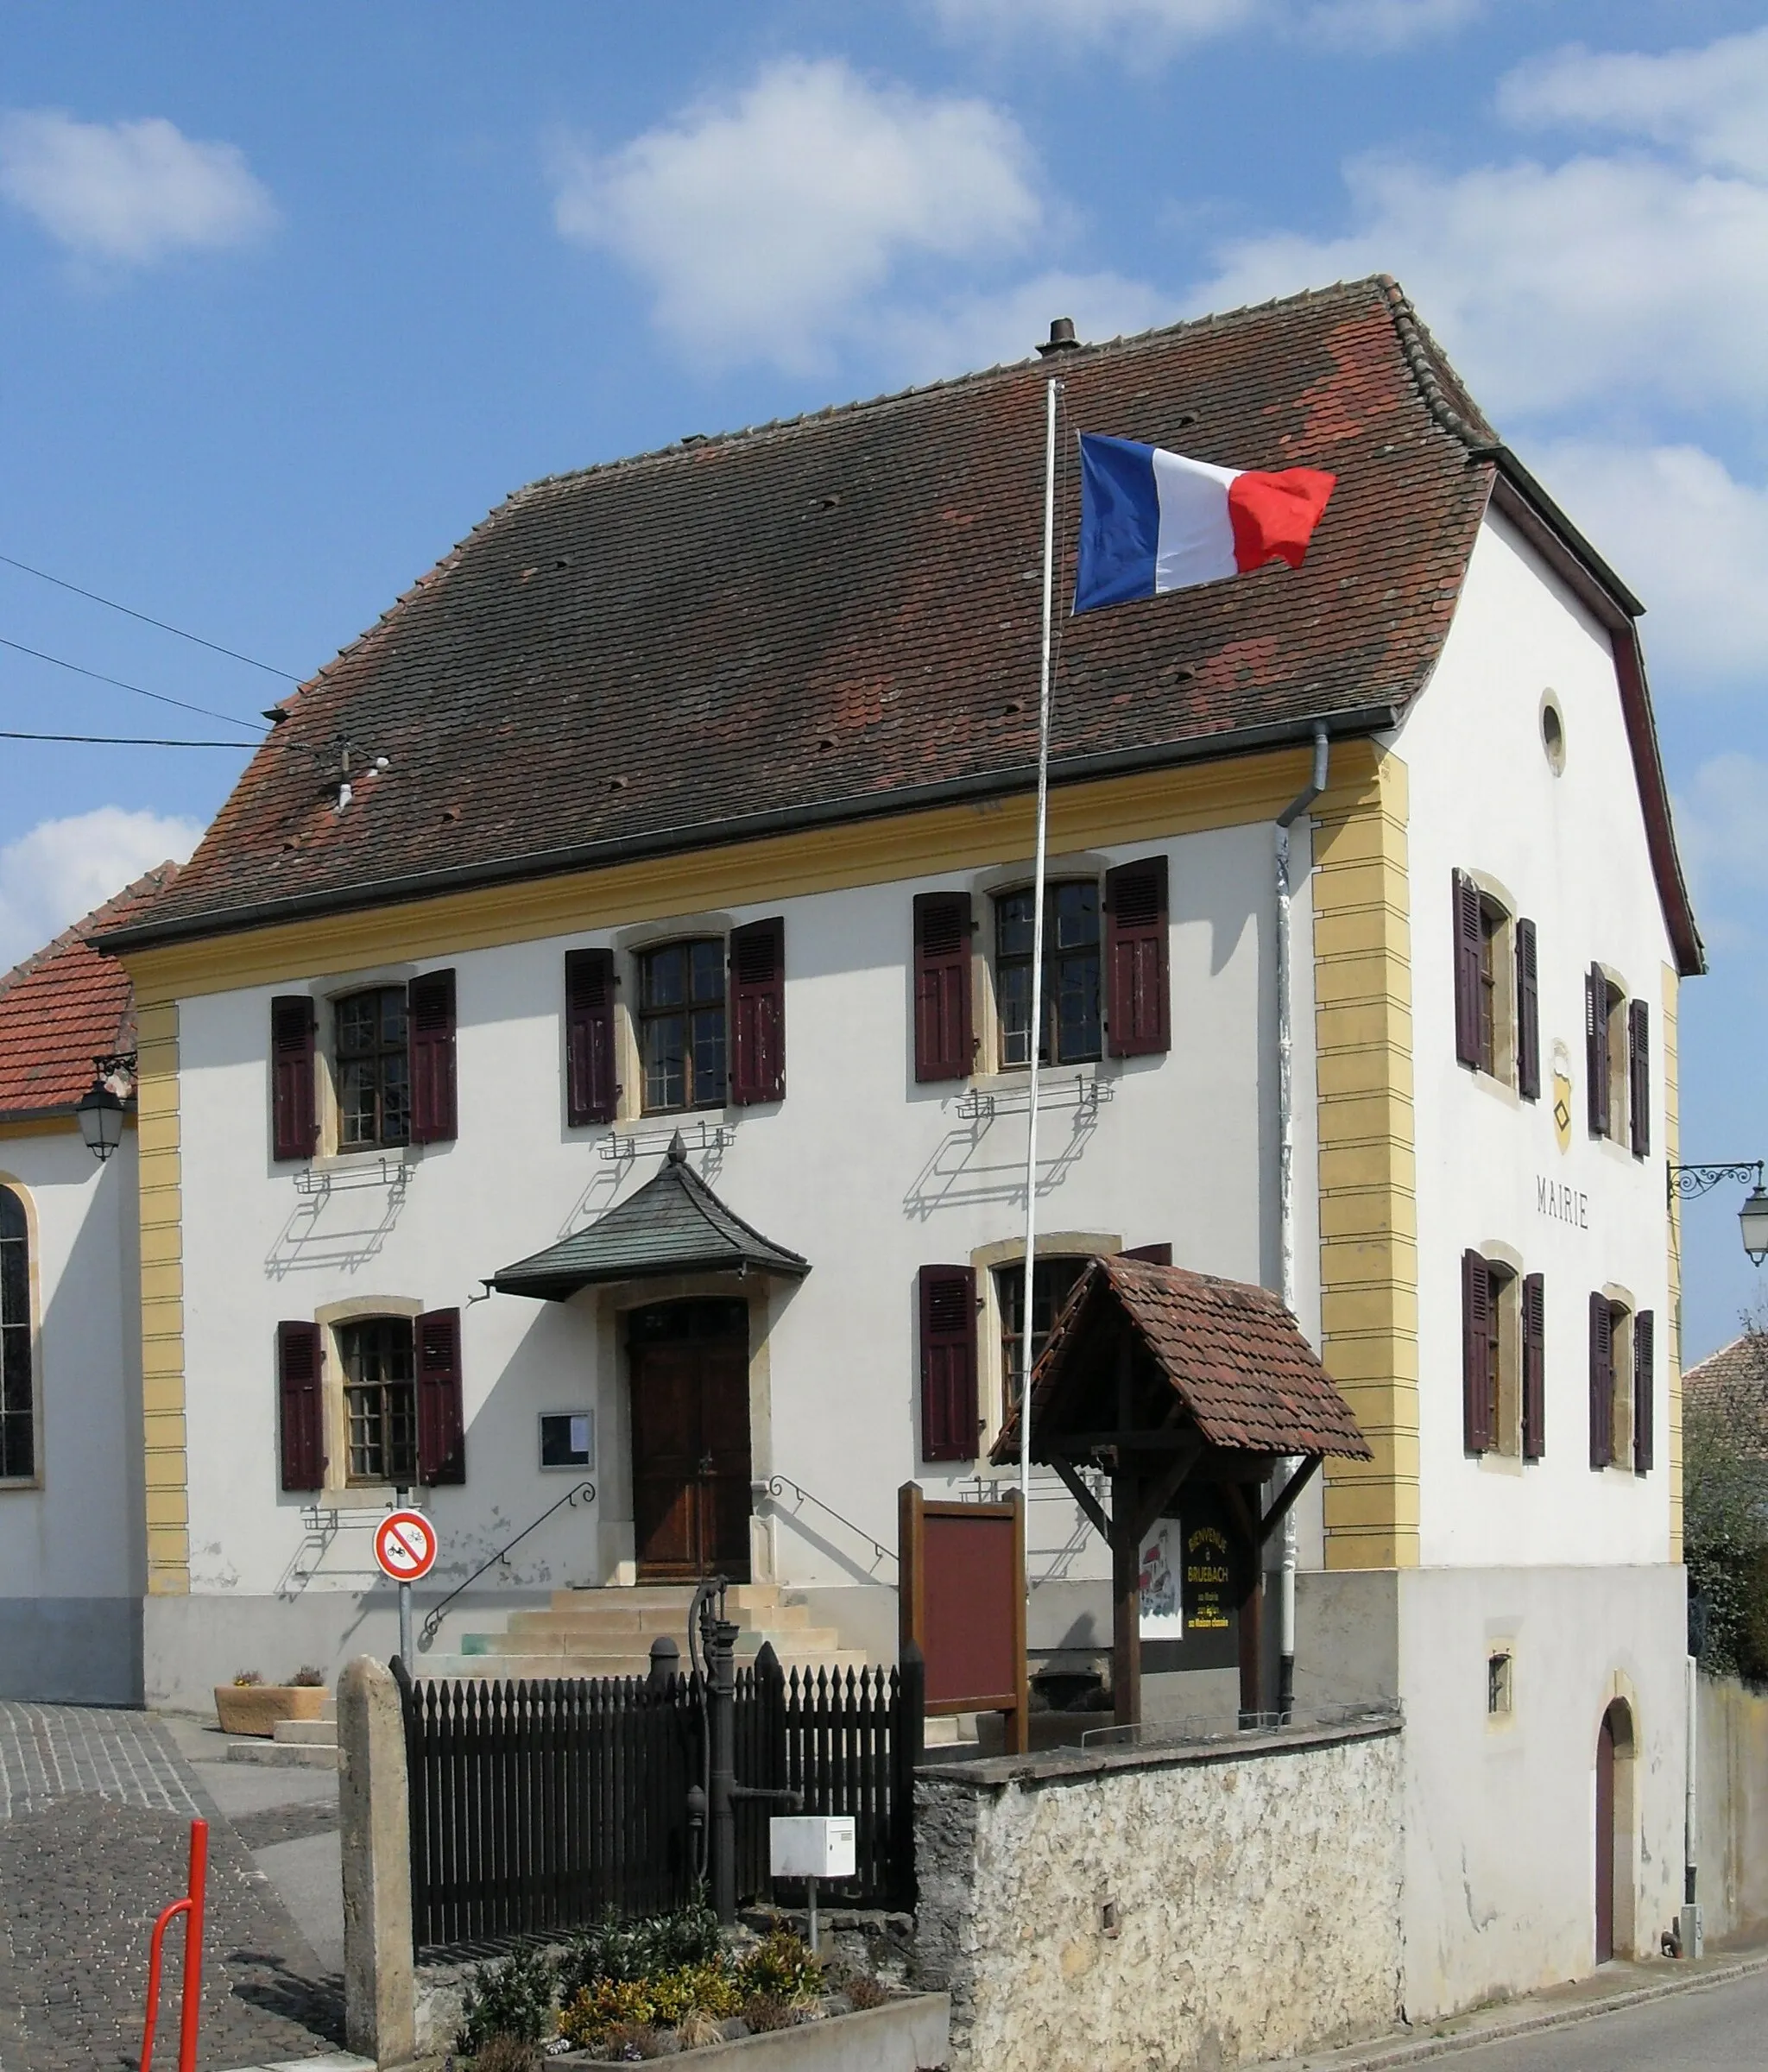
405	1546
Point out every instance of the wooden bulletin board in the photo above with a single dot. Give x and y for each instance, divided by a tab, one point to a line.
962	1600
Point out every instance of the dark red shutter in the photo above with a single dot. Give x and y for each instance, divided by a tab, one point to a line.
1639	1077
948	1363
1644	1335
1468	942
589	1089
430	1034
758	1012
294	1112
1596	1048
943	1035
1528	1014
1534	1366
441	1416
1475	1353
1156	1255
1602	1382
1139	1017
300	1407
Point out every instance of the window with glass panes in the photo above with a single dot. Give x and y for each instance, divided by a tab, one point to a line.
380	1400
1051	1279
1072	1029
18	1441
374	1077
681	1025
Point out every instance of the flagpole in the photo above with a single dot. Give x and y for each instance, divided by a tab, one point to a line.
1037	1017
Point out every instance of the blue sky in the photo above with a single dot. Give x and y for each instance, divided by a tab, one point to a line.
290	297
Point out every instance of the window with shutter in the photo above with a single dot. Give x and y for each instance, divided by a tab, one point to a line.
944	1044
1644	1334
758	1011
947	1299
1528	1013
1478	1334
1597	1049
431	1038
1534	1305
1469	960
294	1112
1138	1010
441	1415
300	1407
1602	1381
1638	1078
590	1093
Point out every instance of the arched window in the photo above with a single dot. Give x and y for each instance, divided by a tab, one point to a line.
18	1439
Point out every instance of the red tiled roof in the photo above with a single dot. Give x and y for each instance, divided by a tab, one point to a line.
1736	1376
1231	1353
67	1004
839	617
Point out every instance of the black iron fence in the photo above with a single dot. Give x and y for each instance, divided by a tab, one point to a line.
537	1806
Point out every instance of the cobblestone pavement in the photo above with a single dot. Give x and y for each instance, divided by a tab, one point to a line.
95	1812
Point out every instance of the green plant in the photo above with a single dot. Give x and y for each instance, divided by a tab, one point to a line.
1725	1480
504	2054
513	1998
629	2041
783	1967
618	1949
247	1679
308	1678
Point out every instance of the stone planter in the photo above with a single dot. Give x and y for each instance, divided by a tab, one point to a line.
902	2035
255	1708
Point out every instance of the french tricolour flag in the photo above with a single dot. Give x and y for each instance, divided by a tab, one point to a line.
1153	521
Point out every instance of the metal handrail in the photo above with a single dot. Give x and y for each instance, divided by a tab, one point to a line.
778	1484
581	1491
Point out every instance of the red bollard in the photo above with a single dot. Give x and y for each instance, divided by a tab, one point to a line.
190	2007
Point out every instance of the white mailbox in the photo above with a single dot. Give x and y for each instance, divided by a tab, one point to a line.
812	1846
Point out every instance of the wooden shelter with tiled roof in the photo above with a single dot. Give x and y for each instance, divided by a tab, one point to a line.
1164	1378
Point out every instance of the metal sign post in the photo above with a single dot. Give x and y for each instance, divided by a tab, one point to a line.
405	1549
401	1498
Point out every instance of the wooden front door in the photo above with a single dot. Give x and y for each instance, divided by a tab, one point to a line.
690	1368
1604	1840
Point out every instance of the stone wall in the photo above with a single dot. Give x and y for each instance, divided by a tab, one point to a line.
1731	1769
1201	1907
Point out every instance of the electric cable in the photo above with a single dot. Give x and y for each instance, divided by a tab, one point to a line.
111	604
98	677
124	741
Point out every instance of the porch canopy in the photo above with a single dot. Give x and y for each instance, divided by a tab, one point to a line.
1162	1377
673	1224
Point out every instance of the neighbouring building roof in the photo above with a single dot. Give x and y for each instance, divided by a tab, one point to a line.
1230	1352
839	616
65	1006
673	1224
1736	1375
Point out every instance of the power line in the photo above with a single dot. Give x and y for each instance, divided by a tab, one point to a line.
159	696
111	604
124	741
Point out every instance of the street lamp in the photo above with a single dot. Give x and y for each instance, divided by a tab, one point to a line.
1690	1181
101	1107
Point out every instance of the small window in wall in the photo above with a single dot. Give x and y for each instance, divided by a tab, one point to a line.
1073	1029
18	1443
380	1400
1051	1279
567	1438
374	1070
681	1026
1499	1686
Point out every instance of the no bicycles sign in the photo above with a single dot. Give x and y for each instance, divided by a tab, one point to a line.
405	1546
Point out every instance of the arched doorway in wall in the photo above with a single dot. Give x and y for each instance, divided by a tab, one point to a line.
1614	1832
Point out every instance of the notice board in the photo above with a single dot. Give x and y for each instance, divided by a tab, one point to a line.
962	1600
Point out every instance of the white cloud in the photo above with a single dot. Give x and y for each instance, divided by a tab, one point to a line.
1711	103
128	193
62	869
767	224
1718	832
987	330
1550	285
1687	537
1148	31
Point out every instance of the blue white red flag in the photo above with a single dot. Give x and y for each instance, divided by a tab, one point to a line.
1153	521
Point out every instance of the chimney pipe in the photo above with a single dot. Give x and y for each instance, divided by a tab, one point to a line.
1062	337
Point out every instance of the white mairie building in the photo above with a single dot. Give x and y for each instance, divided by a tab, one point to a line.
692	795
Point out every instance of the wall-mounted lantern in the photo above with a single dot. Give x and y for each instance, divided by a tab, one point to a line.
102	1106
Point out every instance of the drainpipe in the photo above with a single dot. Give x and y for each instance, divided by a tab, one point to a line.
1285	1187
